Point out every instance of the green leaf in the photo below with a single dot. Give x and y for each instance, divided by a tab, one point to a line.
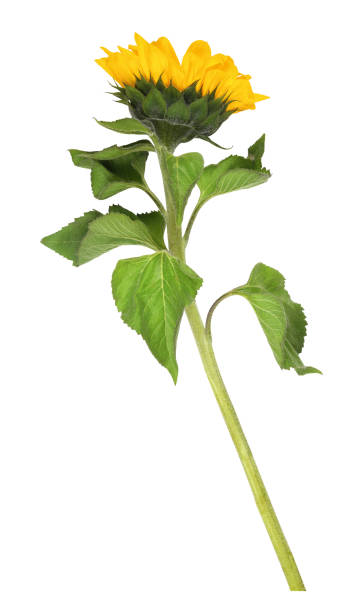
87	159
184	172
282	320
113	230
125	126
229	175
153	220
83	239
67	240
151	292
115	168
256	152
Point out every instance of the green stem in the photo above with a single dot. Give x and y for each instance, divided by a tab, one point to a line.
177	248
191	221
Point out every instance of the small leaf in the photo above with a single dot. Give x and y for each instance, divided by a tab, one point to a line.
282	320
86	159
154	104
115	168
67	240
184	172
151	292
256	152
231	174
125	126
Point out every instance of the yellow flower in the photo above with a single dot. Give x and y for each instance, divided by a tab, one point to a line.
212	74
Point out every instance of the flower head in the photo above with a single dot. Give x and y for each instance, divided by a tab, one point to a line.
198	93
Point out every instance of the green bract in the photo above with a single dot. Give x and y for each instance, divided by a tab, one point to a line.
174	116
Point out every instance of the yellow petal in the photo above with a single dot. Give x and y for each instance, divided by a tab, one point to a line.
195	58
212	73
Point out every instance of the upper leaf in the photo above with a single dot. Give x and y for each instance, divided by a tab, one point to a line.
126	126
233	173
184	172
115	168
151	292
82	241
282	320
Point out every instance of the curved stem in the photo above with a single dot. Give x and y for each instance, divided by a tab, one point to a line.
211	311
256	483
205	348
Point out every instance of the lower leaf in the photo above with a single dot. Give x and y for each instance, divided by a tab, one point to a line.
152	292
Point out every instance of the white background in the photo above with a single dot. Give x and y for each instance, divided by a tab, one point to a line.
120	491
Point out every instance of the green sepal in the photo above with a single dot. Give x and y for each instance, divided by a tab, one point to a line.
199	110
170	95
136	95
151	292
178	112
174	116
154	104
282	320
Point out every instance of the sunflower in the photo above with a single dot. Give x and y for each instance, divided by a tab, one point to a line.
178	100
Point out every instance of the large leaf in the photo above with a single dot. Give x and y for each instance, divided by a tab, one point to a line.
233	173
115	169
282	320
125	126
151	292
184	172
82	240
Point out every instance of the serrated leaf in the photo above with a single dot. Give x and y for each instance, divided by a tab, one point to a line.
113	230
151	292
67	240
184	172
87	159
282	320
231	174
153	220
115	169
81	241
256	151
126	126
